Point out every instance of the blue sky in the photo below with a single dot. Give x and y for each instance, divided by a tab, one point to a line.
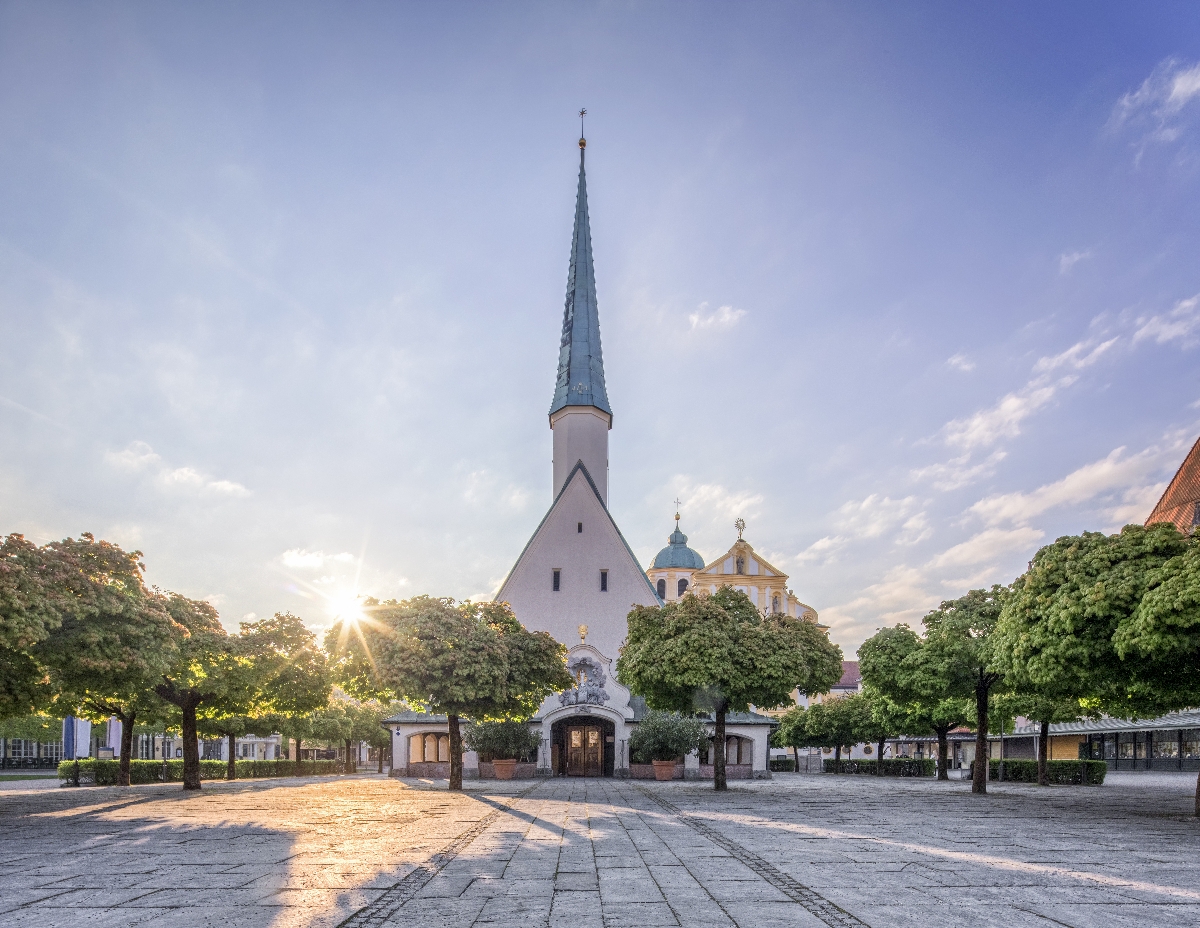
911	288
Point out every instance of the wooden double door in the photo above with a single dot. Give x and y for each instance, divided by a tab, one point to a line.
585	751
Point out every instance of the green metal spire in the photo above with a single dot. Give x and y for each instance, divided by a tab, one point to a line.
580	360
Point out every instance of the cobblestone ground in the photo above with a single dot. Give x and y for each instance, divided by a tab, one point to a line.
813	851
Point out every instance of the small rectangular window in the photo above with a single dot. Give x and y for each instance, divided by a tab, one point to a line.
604	581
557	580
579	528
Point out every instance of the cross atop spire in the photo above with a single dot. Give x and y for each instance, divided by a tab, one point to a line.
580	361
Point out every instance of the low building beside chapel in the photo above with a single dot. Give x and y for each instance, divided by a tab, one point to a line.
577	578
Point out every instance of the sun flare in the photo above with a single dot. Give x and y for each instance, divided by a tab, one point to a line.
347	608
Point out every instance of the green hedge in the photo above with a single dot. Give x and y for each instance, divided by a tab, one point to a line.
782	765
893	767
92	772
1063	772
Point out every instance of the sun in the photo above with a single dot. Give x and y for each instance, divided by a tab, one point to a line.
347	607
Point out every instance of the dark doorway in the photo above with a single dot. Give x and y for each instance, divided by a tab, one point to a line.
583	746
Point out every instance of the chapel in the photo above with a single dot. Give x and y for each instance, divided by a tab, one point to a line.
577	578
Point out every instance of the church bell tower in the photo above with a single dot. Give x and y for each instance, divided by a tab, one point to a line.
580	416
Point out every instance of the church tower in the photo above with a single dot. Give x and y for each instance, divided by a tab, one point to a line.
580	416
577	576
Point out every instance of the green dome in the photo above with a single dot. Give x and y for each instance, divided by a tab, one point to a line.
677	553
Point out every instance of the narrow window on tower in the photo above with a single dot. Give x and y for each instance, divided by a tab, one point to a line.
662	589
579	527
557	580
682	587
603	581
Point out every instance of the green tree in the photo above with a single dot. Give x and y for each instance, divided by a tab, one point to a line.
958	645
114	640
836	722
895	663
207	667
884	719
1162	637
717	653
278	670
472	660
666	736
30	596
1055	640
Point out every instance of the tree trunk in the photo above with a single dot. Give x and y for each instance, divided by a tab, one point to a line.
230	762
979	780
1198	795
126	747
837	758
1043	754
879	760
796	755
297	771
719	782
943	753
455	753
380	770
191	747
351	766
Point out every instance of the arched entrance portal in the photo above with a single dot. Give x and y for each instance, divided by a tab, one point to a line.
583	746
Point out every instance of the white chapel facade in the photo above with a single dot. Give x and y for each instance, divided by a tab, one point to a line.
577	578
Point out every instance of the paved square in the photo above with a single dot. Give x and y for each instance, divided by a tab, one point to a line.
797	850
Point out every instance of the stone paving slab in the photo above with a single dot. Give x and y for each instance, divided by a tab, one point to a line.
808	851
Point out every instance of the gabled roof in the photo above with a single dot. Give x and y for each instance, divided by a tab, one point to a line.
744	545
851	676
580	468
1180	502
580	361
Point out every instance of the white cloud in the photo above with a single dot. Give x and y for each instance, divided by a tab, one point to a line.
1116	471
1156	110
1181	323
1003	420
988	545
1067	261
959	471
873	517
960	362
723	317
711	501
139	457
300	559
1135	505
1077	357
821	549
901	596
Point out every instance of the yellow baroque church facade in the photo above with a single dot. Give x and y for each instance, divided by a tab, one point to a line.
677	569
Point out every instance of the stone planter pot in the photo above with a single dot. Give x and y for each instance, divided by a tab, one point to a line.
663	769
504	769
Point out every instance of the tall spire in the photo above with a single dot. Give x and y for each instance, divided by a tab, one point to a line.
580	361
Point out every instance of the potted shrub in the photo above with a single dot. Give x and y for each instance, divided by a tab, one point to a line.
662	738
503	744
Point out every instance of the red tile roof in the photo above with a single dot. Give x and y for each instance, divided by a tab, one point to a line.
1180	501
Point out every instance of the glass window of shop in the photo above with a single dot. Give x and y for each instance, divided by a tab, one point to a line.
1125	746
1191	743
1166	744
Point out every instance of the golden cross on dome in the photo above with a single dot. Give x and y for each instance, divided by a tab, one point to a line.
740	525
